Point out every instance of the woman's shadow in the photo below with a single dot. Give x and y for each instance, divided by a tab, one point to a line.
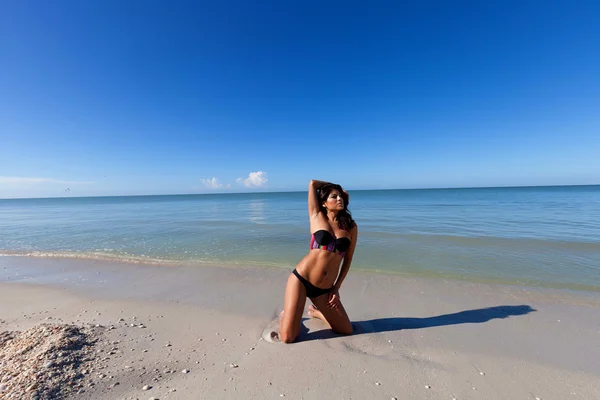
477	316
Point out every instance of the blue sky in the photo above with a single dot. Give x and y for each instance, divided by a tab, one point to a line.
153	97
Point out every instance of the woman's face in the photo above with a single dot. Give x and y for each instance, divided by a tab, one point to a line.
335	201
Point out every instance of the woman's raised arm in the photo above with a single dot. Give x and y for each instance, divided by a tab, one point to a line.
313	197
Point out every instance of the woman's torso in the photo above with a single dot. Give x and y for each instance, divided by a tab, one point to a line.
321	265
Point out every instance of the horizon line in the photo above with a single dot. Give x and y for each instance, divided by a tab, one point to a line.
303	191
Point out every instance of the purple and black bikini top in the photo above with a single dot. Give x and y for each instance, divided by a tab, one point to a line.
323	239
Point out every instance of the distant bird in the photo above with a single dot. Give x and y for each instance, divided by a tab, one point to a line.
67	190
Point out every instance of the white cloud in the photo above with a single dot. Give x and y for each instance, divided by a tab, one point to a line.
24	180
214	184
254	179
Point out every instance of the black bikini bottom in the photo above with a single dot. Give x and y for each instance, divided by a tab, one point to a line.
311	290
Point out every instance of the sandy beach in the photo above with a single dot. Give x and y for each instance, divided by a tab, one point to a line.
190	333
165	166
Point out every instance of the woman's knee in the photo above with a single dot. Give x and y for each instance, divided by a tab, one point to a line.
287	337
344	330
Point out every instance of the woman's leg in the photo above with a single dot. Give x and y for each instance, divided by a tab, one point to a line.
293	307
337	317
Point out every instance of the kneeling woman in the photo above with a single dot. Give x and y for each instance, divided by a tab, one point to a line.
318	275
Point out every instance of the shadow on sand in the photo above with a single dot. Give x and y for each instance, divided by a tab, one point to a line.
477	316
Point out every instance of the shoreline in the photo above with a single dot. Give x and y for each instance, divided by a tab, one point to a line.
418	338
141	261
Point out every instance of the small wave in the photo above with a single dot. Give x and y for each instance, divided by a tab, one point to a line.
135	259
94	256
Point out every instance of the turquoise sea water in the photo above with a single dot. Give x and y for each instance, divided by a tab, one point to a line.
541	236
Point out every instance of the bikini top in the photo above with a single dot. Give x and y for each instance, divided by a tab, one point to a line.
323	239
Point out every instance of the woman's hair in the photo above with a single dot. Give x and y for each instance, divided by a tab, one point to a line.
344	217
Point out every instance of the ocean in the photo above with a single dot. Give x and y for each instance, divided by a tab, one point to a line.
533	236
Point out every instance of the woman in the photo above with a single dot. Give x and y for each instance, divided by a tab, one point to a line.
333	239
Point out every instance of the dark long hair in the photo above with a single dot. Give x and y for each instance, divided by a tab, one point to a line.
344	217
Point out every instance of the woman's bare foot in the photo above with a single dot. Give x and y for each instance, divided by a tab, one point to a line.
315	313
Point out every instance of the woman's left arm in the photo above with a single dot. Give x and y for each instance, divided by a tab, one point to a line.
347	259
